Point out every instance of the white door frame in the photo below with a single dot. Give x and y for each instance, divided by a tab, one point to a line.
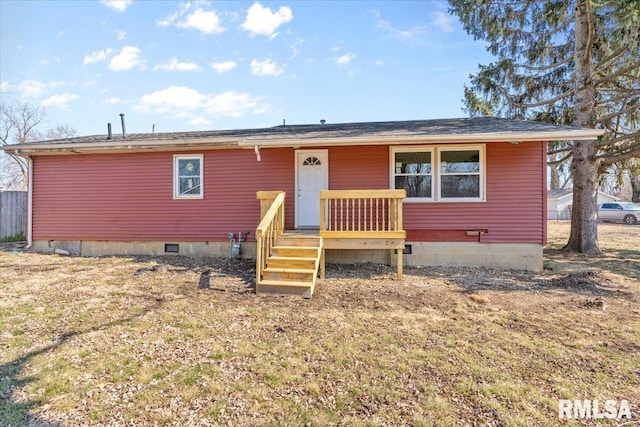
300	153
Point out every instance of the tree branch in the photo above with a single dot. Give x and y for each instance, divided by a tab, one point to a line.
626	95
620	138
563	95
609	159
563	159
616	114
614	55
559	150
544	67
617	74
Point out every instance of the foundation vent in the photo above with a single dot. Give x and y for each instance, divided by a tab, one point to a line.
171	248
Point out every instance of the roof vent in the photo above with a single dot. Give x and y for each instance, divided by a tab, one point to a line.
124	133
323	121
108	130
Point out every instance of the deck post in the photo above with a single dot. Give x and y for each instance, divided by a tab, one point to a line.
363	220
322	264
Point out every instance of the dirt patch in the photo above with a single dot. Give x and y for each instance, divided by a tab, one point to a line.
183	341
586	281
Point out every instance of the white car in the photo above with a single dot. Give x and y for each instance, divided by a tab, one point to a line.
626	212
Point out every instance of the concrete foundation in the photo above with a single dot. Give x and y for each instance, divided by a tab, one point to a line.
517	256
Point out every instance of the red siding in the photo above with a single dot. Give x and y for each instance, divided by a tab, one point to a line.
129	196
514	210
359	168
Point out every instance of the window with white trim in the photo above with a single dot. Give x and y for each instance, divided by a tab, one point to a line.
452	173
188	182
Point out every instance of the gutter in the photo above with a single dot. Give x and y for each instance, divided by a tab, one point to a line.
122	146
294	140
511	137
30	203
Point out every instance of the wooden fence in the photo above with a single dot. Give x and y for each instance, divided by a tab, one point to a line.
13	215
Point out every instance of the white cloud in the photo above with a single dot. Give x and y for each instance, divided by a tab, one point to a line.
181	101
112	100
414	32
262	21
127	59
60	101
175	65
266	68
120	35
379	63
174	97
442	21
199	121
235	104
205	21
223	67
175	16
60	33
97	56
117	5
4	85
343	60
31	88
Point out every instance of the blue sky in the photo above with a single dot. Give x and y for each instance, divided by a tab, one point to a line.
228	65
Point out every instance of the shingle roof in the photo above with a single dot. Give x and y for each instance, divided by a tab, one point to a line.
557	194
428	129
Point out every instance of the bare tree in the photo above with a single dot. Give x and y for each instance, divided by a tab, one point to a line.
60	132
19	124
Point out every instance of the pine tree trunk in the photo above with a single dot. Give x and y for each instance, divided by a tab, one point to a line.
635	188
584	215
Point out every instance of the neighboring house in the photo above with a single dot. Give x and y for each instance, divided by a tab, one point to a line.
560	202
476	187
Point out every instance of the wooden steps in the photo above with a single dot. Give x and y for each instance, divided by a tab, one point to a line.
292	267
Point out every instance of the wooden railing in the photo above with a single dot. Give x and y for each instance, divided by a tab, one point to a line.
362	219
361	213
270	228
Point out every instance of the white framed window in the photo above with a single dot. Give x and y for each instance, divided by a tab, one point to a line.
188	178
413	171
451	173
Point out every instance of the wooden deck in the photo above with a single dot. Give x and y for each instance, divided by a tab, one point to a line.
288	262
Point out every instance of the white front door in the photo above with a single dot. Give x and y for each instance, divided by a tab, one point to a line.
312	176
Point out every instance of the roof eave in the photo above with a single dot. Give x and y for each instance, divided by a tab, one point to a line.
119	147
293	141
578	135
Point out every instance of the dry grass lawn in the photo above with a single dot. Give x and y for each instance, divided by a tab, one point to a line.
176	341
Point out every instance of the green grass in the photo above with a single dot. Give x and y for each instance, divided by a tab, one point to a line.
20	237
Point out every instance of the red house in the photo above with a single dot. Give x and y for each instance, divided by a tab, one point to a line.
475	190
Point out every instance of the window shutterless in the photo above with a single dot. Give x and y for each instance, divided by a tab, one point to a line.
453	173
188	181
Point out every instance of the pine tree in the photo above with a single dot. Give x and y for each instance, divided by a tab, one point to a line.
566	62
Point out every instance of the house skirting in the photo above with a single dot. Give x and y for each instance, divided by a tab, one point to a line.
105	248
505	256
517	256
